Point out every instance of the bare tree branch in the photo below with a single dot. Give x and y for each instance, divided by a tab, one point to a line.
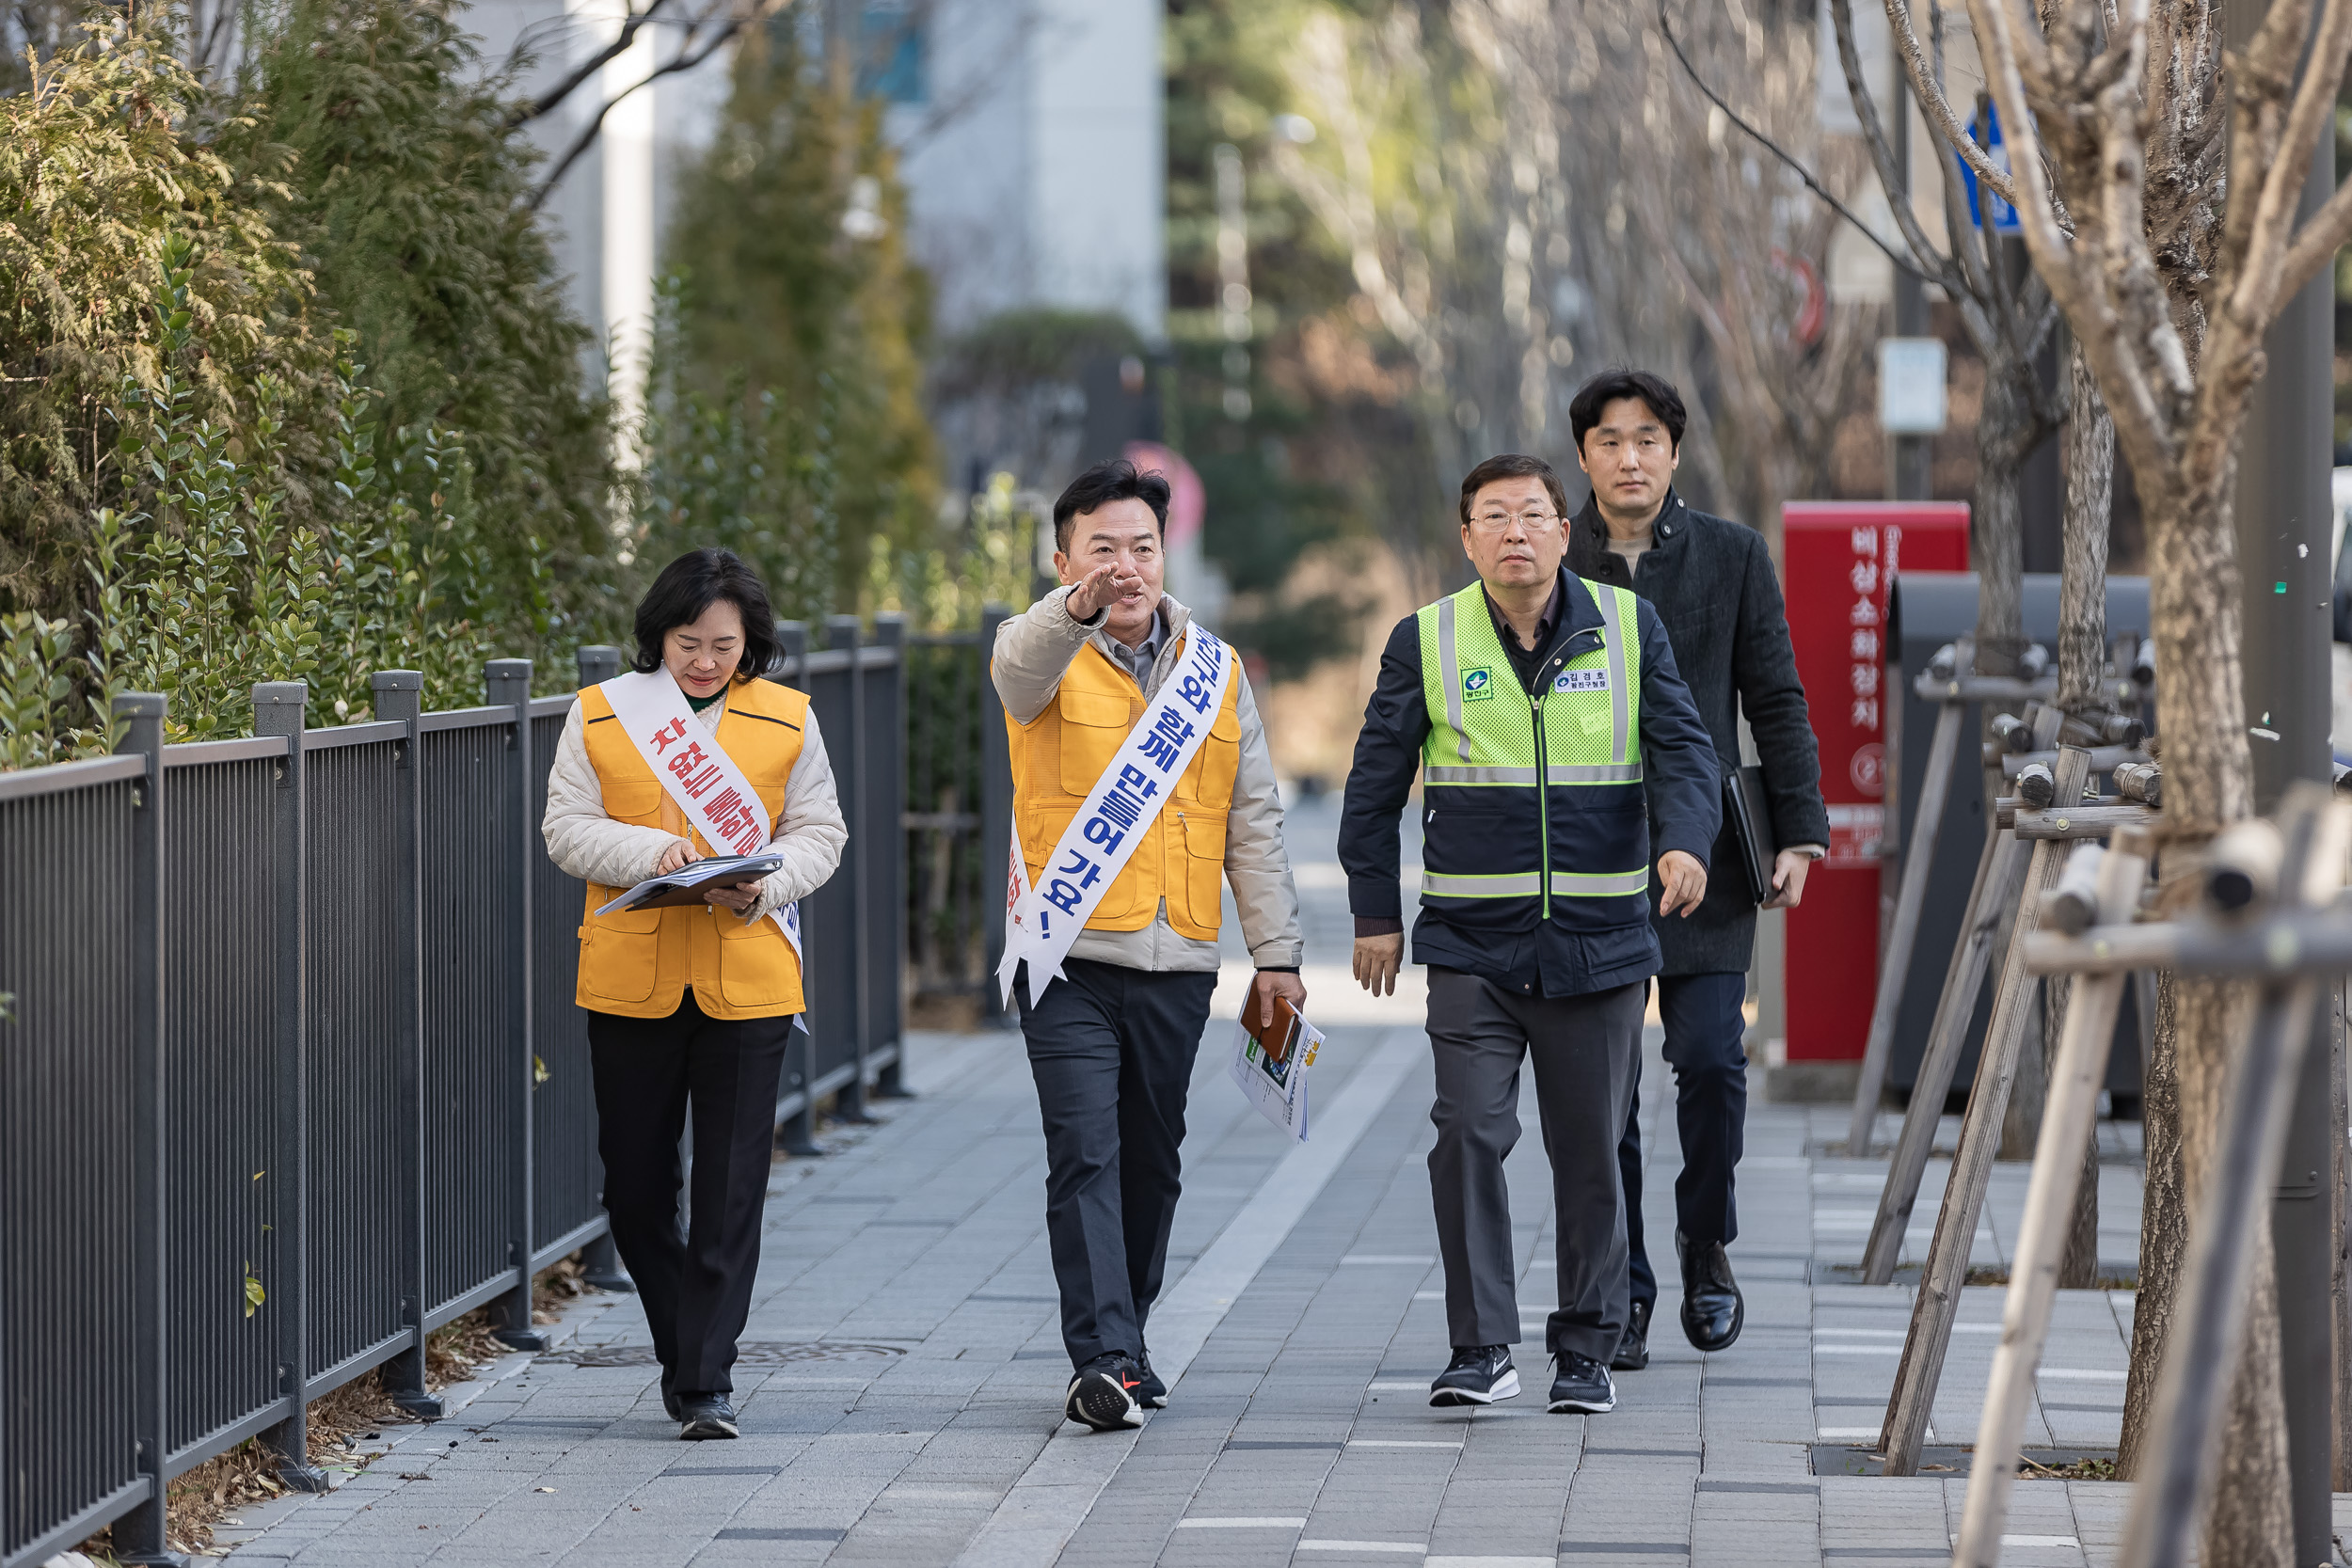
2139	423
1891	176
529	109
1926	85
2281	183
2327	231
687	58
1666	25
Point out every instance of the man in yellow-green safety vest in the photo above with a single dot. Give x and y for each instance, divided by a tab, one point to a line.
1552	737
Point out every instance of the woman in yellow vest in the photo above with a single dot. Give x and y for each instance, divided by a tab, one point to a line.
689	1007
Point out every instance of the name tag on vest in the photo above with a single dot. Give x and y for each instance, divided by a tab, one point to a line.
1581	680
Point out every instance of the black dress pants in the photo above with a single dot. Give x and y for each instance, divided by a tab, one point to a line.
1112	1051
1704	1025
651	1074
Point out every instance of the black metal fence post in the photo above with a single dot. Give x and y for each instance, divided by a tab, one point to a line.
400	696
278	708
797	1135
844	634
600	1260
995	814
139	1535
890	631
506	683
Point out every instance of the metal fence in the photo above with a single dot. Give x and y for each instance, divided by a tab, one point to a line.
291	1074
958	814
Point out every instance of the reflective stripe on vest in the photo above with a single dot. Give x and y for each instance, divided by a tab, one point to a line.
1480	761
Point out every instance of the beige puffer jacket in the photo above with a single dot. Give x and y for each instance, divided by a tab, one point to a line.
1033	652
585	843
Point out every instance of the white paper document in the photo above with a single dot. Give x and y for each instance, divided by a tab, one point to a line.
1274	1075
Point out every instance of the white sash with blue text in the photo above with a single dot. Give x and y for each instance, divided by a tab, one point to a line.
1042	922
719	802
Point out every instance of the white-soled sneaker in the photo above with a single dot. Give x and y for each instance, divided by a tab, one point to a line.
1480	1374
1102	1394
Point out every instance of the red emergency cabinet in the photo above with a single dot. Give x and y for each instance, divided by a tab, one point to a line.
1839	558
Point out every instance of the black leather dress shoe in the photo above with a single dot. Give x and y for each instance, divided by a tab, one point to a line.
1633	1349
1712	1309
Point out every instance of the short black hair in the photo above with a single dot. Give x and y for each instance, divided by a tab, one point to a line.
1626	382
1113	479
691	584
1512	464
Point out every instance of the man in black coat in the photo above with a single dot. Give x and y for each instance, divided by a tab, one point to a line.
1713	584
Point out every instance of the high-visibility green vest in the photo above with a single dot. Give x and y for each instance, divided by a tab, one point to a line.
1533	806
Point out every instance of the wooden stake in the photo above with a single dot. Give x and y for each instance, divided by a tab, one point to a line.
1918	857
1946	1271
2069	1126
1996	876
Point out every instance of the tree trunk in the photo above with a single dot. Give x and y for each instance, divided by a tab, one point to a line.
2163	1228
2208	783
2083	567
2251	1523
2020	1124
2081	661
1997	551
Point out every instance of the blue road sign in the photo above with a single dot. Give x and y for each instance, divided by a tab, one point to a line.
2004	216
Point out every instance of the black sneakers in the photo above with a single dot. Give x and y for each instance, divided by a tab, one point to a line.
1102	1394
702	1417
1713	1308
1480	1374
1582	1386
1633	1349
1150	1392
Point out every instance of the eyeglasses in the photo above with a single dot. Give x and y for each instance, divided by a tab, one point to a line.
1497	522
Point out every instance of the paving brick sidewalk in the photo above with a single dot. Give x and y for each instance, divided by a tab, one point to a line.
901	1395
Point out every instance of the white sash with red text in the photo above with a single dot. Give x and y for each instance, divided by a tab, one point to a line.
688	761
1042	922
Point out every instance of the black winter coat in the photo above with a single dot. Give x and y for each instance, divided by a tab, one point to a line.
1713	584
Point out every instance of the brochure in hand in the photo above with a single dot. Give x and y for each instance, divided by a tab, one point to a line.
689	882
1270	1063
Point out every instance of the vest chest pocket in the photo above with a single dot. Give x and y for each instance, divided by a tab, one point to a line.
1094	724
1210	779
632	800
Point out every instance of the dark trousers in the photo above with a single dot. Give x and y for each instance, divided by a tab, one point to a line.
651	1073
1112	1051
1704	1025
1585	1052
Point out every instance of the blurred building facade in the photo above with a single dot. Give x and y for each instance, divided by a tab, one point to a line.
1029	134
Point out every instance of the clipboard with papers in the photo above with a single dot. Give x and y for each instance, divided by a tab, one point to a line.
689	882
1270	1063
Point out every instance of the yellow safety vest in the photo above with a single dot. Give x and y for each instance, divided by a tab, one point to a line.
1056	758
638	963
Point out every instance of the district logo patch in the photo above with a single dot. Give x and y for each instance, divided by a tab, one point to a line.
1478	684
1581	680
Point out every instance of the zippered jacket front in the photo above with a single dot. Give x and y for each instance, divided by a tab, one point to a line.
1539	795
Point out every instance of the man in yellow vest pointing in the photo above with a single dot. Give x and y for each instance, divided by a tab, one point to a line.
1550	731
1141	782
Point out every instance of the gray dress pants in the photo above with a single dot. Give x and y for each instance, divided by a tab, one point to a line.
1586	1052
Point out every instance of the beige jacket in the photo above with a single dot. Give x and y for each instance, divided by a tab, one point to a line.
1033	652
584	842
